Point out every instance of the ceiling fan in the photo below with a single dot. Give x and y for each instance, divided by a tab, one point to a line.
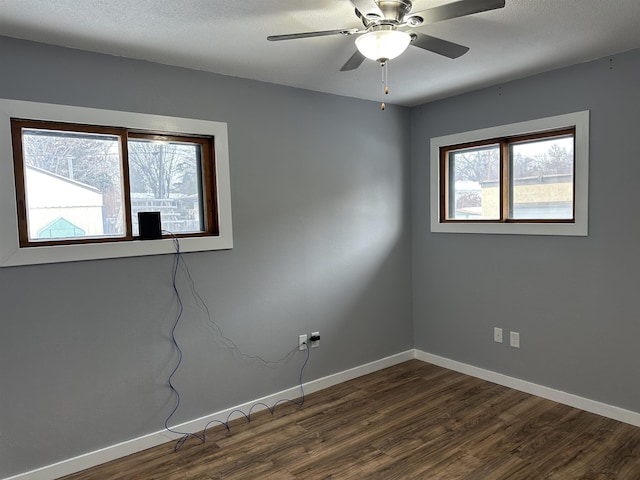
388	28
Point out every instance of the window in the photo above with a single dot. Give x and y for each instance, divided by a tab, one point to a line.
81	176
515	179
528	178
81	183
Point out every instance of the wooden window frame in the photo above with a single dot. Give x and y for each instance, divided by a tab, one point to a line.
207	187
505	179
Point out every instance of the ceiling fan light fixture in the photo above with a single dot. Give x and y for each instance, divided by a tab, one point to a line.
383	45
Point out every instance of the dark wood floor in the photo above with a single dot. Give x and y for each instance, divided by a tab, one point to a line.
410	421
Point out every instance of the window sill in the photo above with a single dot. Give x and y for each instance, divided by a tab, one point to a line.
571	229
94	251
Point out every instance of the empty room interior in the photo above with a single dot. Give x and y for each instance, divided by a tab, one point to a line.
340	282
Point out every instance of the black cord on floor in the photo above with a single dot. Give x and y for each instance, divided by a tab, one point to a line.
184	436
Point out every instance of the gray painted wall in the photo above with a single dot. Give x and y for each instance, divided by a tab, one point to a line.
322	226
320	193
574	300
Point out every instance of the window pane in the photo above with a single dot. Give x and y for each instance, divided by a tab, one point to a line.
166	177
542	179
72	185
474	184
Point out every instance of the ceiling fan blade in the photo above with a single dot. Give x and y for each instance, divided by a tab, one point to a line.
437	45
354	62
457	9
322	33
367	6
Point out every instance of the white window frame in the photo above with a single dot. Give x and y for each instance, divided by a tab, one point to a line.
579	120
11	254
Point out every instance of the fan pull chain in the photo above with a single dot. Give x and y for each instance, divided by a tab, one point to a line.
385	69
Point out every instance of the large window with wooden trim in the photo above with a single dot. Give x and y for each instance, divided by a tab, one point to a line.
80	177
87	183
527	178
532	178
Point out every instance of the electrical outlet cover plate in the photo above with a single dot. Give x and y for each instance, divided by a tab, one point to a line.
515	340
315	343
497	334
302	342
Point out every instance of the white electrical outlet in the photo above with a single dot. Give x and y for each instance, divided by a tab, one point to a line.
302	342
515	340
315	343
497	334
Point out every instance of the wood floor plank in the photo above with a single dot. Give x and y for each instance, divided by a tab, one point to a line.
410	421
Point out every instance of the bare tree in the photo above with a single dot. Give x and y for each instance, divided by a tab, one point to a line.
477	165
556	160
160	169
86	159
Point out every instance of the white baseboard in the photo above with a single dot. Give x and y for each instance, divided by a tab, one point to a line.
599	408
91	459
113	452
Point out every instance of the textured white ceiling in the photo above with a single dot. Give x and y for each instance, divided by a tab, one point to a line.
229	37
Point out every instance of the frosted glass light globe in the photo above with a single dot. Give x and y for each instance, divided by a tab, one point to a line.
383	44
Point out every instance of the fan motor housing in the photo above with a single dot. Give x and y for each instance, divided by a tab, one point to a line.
394	10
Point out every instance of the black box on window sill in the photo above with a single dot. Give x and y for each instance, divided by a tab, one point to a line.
149	227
